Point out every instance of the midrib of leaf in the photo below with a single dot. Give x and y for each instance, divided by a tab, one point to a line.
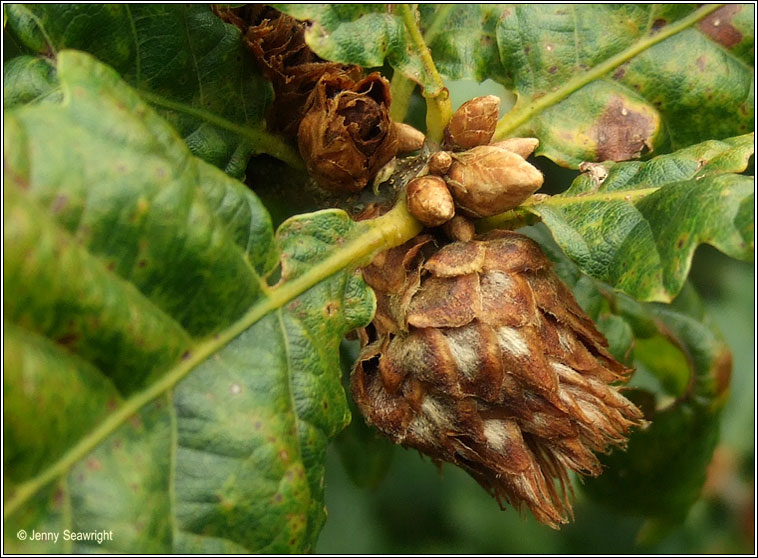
520	115
36	20
263	142
138	59
522	213
391	229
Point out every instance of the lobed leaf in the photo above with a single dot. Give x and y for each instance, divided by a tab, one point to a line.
181	57
155	385
362	34
637	228
610	82
470	50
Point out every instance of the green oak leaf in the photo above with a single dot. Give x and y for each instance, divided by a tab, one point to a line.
611	81
156	385
362	34
181	57
29	79
637	228
470	50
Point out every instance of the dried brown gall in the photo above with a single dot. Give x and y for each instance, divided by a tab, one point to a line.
488	180
480	356
429	200
346	135
473	123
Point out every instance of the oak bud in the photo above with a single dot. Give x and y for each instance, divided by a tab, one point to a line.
408	138
473	123
440	162
459	228
488	180
519	146
429	200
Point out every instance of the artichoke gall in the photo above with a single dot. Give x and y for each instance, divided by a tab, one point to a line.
429	200
488	180
347	135
473	123
480	356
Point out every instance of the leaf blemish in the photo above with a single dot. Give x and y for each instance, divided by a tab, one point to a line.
60	203
622	132
657	24
718	28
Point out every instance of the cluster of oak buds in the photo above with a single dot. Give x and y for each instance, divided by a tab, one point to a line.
472	176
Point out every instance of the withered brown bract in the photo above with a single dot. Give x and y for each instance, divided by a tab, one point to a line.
347	135
277	44
480	356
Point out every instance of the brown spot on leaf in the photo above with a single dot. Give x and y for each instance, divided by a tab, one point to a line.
718	28
94	464
552	69
619	73
723	371
68	339
657	24
58	498
60	203
331	309
700	63
622	132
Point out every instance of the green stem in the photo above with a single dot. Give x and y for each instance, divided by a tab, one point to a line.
438	107
263	142
386	231
521	114
401	87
